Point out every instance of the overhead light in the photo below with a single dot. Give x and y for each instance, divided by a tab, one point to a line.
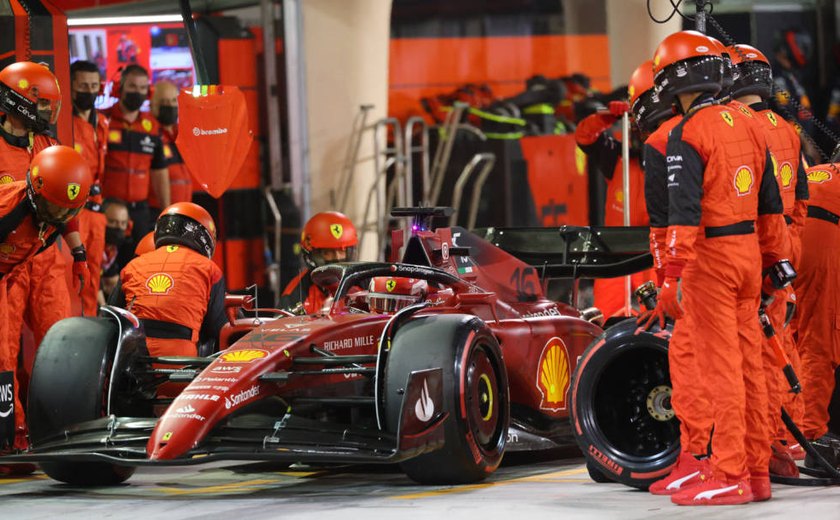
118	20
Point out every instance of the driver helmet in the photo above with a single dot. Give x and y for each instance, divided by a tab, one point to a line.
30	91
328	237
388	294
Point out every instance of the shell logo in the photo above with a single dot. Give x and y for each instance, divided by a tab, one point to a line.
743	181
6	249
171	249
6	179
160	284
772	117
728	118
580	161
243	356
819	176
786	174
337	230
147	125
553	375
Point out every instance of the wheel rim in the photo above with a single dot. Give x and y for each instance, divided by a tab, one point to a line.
483	399
632	405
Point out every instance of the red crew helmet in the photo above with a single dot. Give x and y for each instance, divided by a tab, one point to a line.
687	61
186	224
58	184
328	237
30	91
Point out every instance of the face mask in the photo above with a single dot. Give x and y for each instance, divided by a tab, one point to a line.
114	236
132	101
167	115
84	100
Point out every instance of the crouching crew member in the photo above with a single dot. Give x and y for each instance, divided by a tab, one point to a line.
177	291
32	215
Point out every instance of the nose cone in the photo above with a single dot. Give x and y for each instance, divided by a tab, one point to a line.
183	426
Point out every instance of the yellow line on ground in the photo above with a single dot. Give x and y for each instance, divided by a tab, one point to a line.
24	479
549	477
221	488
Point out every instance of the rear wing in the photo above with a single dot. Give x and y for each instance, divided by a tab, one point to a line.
576	251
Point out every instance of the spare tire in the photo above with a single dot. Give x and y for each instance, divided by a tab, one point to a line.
621	411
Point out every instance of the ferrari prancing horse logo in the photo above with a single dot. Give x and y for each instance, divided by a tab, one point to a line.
73	190
390	284
728	118
337	230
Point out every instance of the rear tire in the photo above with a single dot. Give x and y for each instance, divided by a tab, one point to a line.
621	413
475	395
69	385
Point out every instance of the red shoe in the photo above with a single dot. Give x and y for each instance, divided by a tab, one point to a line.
760	485
781	462
714	492
796	451
688	472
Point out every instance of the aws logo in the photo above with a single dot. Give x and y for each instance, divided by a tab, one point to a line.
743	181
553	375
819	176
160	284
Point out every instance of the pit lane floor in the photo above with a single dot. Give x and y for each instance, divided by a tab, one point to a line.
531	487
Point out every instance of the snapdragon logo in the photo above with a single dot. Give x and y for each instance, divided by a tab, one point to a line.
242	396
214	131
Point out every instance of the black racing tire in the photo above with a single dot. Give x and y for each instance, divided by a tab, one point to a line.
69	385
464	348
596	474
621	413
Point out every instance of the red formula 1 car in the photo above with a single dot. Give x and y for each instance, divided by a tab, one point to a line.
478	364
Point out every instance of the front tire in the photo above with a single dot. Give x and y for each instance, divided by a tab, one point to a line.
69	385
475	395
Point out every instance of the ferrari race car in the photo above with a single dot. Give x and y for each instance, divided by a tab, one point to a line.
481	364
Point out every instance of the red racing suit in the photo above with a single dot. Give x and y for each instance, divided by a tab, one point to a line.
180	182
38	294
90	140
604	152
786	148
20	240
817	289
178	295
721	190
690	401
134	149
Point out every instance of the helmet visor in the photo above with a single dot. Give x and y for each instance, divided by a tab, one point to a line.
53	214
388	303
